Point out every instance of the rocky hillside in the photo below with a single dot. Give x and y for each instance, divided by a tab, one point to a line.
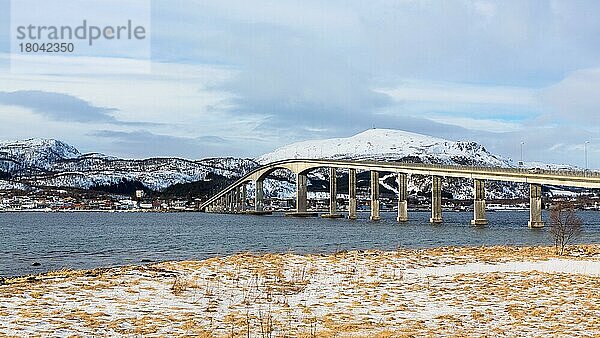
38	162
34	156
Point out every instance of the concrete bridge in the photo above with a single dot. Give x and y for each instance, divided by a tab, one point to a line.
232	199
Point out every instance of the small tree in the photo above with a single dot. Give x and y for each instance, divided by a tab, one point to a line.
565	226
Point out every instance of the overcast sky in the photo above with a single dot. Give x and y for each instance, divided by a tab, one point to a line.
243	77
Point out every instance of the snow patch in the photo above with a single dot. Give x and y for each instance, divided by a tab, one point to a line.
568	266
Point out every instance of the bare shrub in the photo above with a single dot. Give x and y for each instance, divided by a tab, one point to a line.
180	285
565	226
265	320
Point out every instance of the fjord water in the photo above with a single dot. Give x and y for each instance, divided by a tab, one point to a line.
90	240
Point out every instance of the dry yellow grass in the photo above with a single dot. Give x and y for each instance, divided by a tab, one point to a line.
347	294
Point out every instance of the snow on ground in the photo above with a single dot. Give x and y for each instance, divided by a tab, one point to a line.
437	292
563	193
549	166
590	268
10	185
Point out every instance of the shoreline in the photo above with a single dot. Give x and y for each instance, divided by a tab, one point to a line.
444	290
251	212
94	211
91	271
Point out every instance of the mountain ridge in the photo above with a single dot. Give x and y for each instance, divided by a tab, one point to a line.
52	163
387	145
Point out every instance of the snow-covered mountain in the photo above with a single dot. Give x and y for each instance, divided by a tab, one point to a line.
396	145
34	155
45	162
390	145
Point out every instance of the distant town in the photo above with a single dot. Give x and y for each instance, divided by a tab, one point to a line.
57	200
65	200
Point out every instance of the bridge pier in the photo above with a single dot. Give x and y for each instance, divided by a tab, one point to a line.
402	198
375	196
301	198
244	197
238	199
535	206
259	203
352	194
222	204
230	203
479	203
234	201
436	200
301	193
332	195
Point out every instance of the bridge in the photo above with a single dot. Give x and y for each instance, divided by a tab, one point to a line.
232	199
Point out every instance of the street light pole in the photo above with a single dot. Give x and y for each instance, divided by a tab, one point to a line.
585	153
522	143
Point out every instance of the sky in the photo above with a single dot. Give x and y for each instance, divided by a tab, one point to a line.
240	78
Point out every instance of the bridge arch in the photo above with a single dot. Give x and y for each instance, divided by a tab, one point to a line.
263	174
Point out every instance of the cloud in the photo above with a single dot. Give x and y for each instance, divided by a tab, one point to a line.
262	74
321	78
64	107
483	107
57	106
4	28
486	8
494	126
575	98
462	93
141	143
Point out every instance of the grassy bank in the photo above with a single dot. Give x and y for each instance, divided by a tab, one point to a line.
441	291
